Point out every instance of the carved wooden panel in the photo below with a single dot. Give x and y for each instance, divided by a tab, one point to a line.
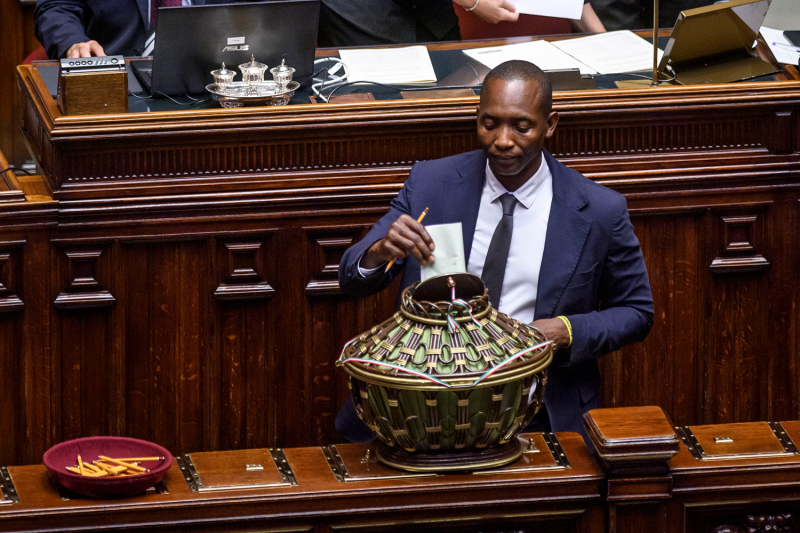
85	273
782	130
325	251
11	276
340	151
672	354
163	336
332	320
657	133
242	271
243	394
740	244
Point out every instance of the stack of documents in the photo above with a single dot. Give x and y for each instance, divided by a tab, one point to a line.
614	52
565	9
410	64
542	53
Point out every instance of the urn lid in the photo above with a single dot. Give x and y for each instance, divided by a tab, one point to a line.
282	68
446	334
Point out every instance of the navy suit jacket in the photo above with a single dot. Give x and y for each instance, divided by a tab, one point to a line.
592	269
118	25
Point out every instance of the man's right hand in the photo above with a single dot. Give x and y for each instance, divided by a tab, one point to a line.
87	49
405	237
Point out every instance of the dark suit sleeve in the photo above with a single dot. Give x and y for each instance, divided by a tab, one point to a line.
59	24
626	303
350	282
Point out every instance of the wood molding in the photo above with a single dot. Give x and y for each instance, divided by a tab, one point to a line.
11	275
85	275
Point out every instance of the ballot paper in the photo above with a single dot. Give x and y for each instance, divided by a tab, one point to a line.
611	53
449	252
566	9
541	53
409	64
782	48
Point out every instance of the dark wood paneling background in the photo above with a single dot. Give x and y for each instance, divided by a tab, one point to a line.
183	289
17	40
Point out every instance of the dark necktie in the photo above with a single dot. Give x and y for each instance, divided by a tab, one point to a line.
155	4
494	269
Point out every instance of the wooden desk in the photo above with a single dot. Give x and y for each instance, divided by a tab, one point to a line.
560	500
183	287
663	492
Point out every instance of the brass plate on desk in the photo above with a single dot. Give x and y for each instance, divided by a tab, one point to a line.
358	462
737	441
540	451
236	470
7	489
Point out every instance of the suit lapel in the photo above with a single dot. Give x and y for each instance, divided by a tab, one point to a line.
567	229
144	9
461	196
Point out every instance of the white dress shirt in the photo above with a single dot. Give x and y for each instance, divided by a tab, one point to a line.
521	280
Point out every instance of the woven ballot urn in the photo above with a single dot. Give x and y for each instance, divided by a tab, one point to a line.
447	382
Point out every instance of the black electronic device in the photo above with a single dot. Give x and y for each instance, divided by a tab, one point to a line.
793	37
192	41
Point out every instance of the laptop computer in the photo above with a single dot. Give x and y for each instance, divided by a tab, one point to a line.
192	41
716	44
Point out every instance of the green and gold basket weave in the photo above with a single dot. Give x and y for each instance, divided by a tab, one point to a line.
447	382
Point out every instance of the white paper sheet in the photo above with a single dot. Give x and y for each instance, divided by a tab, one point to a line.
566	9
409	64
612	52
448	257
782	48
541	53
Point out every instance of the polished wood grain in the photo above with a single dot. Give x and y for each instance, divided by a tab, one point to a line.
690	496
18	41
553	500
180	268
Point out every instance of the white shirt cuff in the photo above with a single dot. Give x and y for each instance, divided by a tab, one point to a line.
367	272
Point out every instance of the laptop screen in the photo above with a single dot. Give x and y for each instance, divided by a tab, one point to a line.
193	41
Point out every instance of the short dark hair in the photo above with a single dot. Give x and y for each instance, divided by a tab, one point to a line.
517	70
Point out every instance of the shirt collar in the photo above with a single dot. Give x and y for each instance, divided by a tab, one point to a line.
525	194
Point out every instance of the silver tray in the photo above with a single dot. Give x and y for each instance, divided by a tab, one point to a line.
238	94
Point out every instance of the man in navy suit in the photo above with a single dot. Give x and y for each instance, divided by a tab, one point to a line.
574	268
85	28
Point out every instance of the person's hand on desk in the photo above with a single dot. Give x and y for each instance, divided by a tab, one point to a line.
87	49
554	329
405	237
493	11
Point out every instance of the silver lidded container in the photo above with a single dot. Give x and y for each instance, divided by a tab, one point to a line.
223	77
282	75
253	74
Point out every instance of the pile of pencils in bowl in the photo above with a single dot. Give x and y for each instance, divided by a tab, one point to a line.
108	467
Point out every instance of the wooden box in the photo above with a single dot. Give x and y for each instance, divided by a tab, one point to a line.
93	93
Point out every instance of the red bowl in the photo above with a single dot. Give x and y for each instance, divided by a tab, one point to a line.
60	456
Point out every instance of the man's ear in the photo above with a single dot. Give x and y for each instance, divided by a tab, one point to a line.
552	122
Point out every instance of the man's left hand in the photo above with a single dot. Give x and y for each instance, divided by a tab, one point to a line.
554	329
493	11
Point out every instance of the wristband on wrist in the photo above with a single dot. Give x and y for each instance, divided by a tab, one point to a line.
569	328
473	7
